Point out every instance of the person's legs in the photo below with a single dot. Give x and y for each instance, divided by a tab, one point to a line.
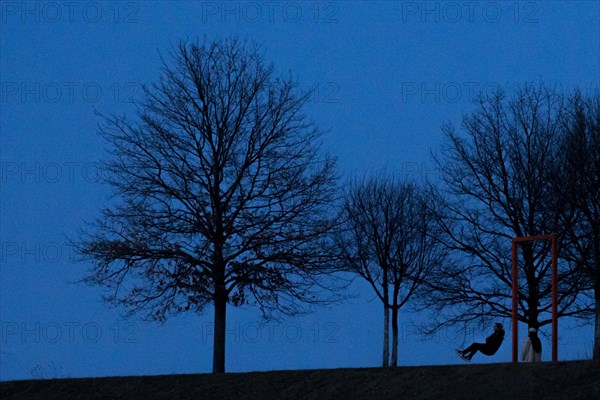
470	351
462	354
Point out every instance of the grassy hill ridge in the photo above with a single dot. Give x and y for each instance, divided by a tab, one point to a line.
565	380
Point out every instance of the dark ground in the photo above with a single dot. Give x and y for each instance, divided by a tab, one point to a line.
565	380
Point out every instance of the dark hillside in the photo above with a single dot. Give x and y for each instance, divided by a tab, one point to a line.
566	380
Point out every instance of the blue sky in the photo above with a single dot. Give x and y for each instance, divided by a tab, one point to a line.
386	75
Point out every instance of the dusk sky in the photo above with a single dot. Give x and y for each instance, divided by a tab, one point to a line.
386	75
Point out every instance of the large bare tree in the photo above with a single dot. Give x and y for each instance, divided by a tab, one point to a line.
387	237
222	193
497	184
580	165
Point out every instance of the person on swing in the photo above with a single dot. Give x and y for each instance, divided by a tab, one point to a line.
489	348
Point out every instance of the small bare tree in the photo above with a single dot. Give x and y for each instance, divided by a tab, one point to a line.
223	193
387	238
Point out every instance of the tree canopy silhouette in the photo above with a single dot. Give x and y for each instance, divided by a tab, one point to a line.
579	163
499	182
222	193
387	236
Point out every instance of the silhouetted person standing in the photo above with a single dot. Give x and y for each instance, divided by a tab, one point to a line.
532	347
489	348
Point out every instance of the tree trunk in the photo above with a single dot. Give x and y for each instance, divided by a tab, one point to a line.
532	312
220	326
596	350
386	336
596	276
395	337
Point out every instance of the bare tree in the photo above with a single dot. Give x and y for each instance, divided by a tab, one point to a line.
496	186
580	165
223	195
387	238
